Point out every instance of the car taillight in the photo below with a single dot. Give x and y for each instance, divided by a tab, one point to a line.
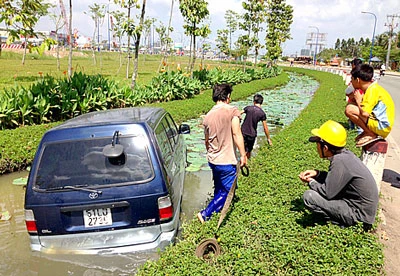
30	222
165	209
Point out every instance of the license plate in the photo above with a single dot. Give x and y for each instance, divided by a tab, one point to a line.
97	217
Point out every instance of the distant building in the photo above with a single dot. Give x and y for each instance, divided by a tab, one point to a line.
306	52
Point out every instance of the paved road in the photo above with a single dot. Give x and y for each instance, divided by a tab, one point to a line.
390	186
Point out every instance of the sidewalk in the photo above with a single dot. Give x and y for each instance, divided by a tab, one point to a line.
389	228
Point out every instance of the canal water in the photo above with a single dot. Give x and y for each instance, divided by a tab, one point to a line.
282	105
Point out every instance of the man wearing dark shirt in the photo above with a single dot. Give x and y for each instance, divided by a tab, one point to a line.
254	114
347	193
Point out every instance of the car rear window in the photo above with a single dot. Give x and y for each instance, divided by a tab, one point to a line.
82	163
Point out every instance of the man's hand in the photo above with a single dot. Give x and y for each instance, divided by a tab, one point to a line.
243	161
307	175
357	96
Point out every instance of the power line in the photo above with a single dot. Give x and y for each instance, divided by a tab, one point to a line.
391	25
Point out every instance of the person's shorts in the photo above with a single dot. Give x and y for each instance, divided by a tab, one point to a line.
249	142
373	125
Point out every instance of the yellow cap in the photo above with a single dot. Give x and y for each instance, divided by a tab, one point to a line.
331	132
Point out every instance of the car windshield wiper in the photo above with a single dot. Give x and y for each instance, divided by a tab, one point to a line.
76	188
82	188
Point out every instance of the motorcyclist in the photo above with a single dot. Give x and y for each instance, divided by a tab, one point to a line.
382	70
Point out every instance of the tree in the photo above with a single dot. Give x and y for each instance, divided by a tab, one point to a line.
147	24
22	16
279	19
232	23
328	53
337	44
168	39
97	13
397	43
252	20
118	31
194	12
205	47
59	23
138	32
382	40
128	26
163	34
222	41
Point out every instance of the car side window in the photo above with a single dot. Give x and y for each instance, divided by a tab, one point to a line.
163	141
172	131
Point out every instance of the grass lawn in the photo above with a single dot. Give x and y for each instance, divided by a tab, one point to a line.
109	64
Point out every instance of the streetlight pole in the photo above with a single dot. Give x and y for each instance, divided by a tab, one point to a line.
316	45
373	36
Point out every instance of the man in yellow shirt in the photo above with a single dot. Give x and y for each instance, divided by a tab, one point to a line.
374	111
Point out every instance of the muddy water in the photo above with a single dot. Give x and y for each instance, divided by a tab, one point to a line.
16	257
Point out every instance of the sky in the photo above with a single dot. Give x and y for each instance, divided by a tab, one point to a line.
336	18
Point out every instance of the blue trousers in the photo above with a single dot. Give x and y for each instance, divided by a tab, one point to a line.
224	176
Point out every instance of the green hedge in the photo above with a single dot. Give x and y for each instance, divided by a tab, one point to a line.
268	231
53	100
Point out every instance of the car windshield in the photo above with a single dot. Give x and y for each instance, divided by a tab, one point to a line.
82	163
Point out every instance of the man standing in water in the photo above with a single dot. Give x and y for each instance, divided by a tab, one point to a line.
254	114
222	136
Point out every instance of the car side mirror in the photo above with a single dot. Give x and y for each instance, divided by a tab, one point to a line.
184	129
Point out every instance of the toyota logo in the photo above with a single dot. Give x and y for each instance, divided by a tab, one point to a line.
93	195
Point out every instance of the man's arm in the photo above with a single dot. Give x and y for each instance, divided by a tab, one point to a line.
358	97
266	131
206	137
238	139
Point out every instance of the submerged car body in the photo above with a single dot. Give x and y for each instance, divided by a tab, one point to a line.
107	182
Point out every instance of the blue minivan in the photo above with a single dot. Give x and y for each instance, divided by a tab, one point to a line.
107	182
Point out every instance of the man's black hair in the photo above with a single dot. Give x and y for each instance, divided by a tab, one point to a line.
221	92
258	99
363	72
331	148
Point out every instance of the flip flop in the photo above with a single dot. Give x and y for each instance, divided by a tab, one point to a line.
359	136
367	140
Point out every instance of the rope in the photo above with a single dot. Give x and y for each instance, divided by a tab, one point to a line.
208	247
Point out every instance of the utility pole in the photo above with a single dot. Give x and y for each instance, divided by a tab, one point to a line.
391	26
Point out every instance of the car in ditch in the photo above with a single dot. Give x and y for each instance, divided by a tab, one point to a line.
107	182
